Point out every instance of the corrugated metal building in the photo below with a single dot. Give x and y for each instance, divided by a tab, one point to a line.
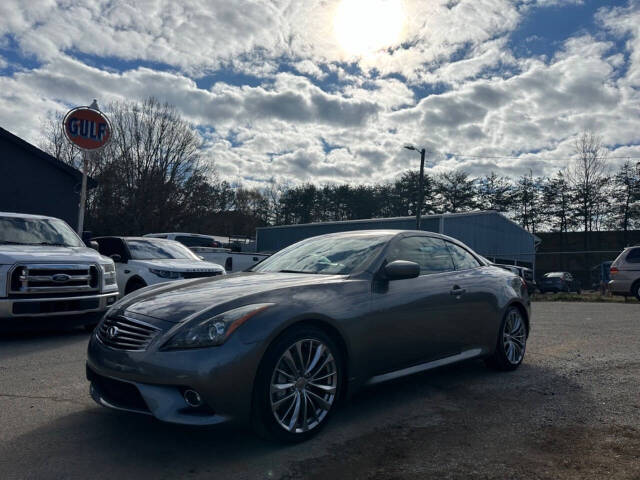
489	233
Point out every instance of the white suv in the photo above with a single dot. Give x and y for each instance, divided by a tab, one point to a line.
142	261
625	273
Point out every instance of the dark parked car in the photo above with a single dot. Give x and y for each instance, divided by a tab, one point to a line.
559	282
280	345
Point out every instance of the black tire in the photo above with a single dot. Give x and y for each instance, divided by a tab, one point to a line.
501	358
133	285
263	416
635	289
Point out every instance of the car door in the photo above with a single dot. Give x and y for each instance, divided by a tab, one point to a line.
411	317
476	312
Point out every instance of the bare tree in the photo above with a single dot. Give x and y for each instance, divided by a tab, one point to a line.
587	176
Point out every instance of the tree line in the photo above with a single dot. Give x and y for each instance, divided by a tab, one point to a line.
154	177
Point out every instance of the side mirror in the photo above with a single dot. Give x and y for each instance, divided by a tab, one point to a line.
93	244
401	270
116	258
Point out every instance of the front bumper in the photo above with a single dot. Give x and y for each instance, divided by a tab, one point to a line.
28	310
152	382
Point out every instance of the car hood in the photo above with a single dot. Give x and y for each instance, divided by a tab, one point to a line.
175	301
179	265
10	254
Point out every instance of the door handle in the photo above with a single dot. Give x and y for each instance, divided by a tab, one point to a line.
457	291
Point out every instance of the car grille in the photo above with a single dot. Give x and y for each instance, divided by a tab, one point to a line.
125	333
199	274
38	280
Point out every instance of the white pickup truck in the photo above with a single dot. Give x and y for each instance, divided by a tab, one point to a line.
208	248
48	276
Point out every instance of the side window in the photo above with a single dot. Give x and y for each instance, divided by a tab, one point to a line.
463	259
430	253
194	241
634	255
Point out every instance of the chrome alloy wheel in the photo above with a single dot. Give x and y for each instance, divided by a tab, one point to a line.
303	386
514	336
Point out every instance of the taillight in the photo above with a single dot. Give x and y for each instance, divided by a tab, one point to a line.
613	270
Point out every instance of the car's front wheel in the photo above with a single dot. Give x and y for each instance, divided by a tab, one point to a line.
512	341
298	385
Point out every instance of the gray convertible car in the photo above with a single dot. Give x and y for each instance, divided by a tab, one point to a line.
280	345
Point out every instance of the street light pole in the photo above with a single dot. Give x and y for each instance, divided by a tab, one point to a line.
422	153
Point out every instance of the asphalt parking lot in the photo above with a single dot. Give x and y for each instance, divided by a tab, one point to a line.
572	411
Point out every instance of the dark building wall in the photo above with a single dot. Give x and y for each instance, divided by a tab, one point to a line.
565	252
31	184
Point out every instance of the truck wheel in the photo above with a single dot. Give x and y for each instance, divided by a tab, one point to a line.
133	285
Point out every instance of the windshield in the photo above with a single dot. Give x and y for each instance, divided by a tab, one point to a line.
324	255
37	231
159	249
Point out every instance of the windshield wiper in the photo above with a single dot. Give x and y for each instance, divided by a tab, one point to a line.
49	244
295	271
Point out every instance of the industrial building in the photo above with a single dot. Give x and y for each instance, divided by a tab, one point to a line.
32	181
489	233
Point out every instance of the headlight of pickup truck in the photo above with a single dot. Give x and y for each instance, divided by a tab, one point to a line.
108	274
4	271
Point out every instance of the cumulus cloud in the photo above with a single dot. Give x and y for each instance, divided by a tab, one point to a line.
287	102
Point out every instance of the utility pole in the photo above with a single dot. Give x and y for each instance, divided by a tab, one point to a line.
422	153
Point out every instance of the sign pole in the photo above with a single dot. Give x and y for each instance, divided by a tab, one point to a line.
83	192
88	129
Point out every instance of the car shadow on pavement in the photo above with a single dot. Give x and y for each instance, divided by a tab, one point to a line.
438	413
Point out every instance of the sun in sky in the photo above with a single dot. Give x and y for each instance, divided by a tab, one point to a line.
363	27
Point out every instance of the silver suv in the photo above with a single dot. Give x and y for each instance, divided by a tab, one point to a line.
625	273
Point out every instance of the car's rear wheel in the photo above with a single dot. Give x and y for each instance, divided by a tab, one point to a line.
635	289
298	385
512	341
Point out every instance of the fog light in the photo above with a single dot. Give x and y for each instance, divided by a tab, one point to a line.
192	398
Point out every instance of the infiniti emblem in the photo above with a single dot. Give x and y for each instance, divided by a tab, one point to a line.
112	332
60	277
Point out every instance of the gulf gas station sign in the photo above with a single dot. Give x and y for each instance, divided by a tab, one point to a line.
87	128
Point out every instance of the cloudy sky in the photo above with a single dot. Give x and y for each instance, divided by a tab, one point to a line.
330	90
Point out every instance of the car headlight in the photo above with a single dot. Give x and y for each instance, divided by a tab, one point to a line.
215	330
108	273
165	273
